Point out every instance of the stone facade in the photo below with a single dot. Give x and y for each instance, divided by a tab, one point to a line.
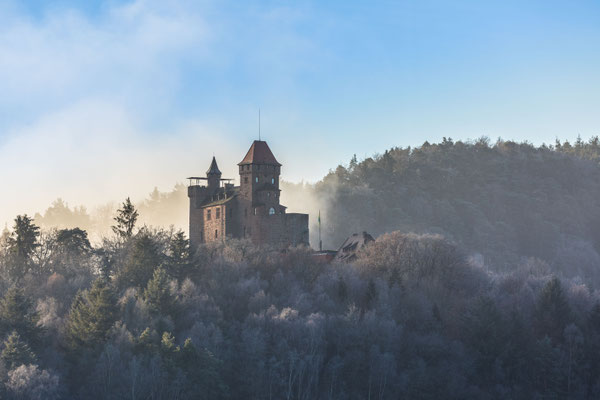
250	210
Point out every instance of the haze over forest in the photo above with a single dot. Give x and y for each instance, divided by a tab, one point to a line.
501	201
485	286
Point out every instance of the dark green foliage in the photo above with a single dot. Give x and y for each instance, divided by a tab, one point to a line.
179	260
125	220
93	313
204	373
21	244
552	311
158	295
16	352
141	261
73	241
485	331
17	313
24	238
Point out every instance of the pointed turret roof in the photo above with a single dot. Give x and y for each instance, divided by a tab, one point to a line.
259	153
213	169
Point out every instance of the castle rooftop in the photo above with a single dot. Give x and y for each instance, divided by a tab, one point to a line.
259	153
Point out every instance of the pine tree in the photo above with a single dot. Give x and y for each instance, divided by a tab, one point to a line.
125	220
141	262
21	244
552	313
16	352
73	242
179	259
24	238
203	372
158	295
93	313
17	313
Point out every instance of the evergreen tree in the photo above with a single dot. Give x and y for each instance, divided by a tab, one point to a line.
485	332
179	259
74	242
143	258
16	352
203	372
18	314
125	220
552	312
158	295
22	243
24	238
93	313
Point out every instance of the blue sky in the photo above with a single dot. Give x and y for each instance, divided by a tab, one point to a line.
111	98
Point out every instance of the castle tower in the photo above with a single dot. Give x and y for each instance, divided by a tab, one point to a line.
251	210
213	176
263	216
259	170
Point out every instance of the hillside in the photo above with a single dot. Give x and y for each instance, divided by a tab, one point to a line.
141	314
507	201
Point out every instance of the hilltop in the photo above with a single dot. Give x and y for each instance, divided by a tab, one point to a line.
507	202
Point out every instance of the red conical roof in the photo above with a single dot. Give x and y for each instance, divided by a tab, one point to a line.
259	153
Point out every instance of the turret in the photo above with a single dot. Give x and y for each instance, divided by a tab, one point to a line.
213	176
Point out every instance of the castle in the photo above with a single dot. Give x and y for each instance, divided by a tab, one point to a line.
220	210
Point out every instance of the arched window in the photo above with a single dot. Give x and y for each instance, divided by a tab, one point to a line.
216	233
271	211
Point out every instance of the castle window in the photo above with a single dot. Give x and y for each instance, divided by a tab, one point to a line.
271	211
216	233
245	179
273	181
255	211
257	179
208	214
218	213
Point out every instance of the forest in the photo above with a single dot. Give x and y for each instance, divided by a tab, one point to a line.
481	284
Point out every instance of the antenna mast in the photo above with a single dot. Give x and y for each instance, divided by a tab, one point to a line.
259	124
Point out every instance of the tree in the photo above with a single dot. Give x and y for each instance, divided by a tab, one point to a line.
203	371
93	313
125	220
485	332
73	241
179	259
24	237
31	383
16	352
22	243
17	314
141	261
158	294
552	312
